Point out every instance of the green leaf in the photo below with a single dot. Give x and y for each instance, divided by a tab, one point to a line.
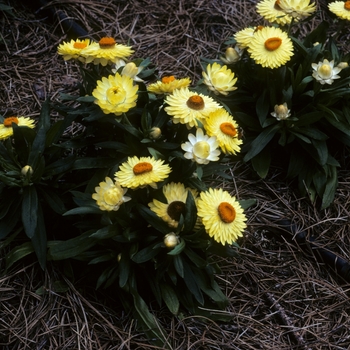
8	223
146	254
190	213
179	265
190	281
331	186
170	298
82	211
30	210
18	253
179	248
154	220
247	203
124	270
261	162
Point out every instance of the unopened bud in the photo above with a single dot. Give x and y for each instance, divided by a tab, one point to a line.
155	133
231	56
130	70
27	171
171	240
343	65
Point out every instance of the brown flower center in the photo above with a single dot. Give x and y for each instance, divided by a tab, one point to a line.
228	129
277	5
107	43
79	46
195	102
227	212
142	168
167	80
258	28
272	44
175	209
8	121
347	5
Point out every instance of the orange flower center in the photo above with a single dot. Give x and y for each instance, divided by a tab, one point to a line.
195	102
277	5
8	121
272	44
347	5
227	212
79	46
258	28
107	43
167	80
175	209
142	168
228	129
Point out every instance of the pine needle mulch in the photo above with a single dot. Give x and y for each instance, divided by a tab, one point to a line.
281	296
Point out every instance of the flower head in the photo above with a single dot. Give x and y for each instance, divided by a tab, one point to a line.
6	129
298	9
140	172
109	195
244	37
175	195
219	79
222	216
281	112
325	72
106	51
72	49
222	125
188	107
340	9
271	47
272	12
168	84
115	94
201	148
232	55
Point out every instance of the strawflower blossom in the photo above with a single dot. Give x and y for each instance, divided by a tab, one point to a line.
175	195
270	47
325	72
115	94
298	9
72	50
188	107
340	9
201	148
272	12
222	125
281	112
109	195
222	215
106	51
243	37
168	84
140	172
219	79
6	129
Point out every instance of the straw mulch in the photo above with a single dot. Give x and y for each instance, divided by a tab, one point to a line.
281	297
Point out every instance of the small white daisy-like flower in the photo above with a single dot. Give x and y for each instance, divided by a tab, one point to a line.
201	148
325	72
281	112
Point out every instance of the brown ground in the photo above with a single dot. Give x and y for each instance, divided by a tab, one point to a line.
280	298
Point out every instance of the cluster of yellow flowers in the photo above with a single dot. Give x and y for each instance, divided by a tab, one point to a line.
218	211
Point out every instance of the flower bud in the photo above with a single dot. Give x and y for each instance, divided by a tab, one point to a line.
155	133
231	56
343	65
27	171
130	70
281	112
171	240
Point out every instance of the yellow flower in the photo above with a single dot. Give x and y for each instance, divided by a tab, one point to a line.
222	125
106	51
6	129
298	9
222	215
219	79
232	55
244	37
341	9
281	112
188	107
168	84
140	172
109	195
271	47
272	12
175	195
115	94
325	72
201	148
73	49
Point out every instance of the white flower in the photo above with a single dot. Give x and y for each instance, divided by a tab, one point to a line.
325	72
201	148
281	112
